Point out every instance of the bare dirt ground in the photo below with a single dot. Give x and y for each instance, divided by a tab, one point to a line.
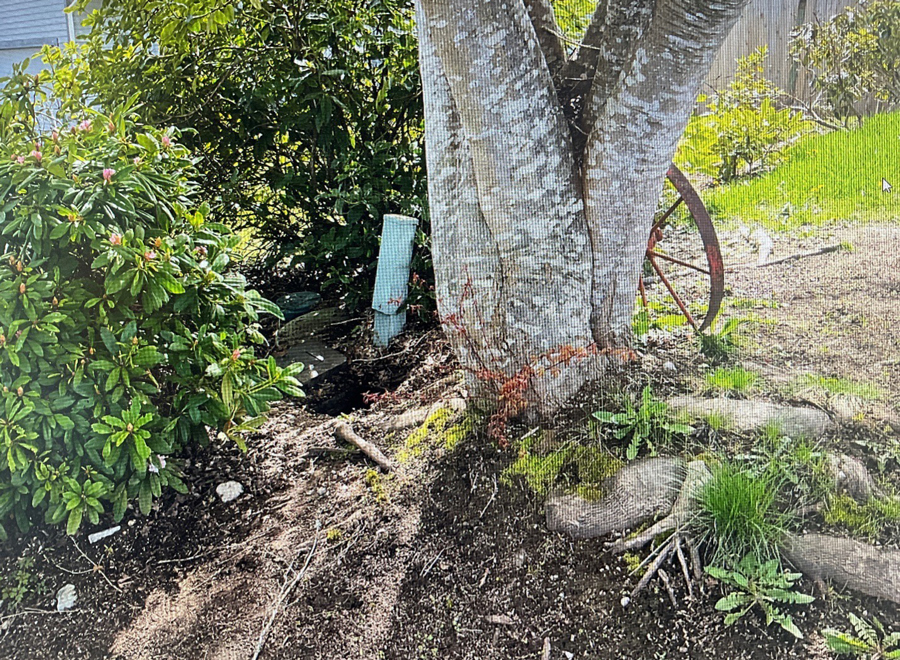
325	558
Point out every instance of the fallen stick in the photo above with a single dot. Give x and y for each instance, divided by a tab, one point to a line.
286	589
343	431
798	255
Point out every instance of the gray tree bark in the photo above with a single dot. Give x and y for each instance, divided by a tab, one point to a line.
544	175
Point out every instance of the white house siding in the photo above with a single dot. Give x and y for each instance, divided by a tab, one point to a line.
27	25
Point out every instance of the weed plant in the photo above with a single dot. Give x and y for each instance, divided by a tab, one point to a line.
646	423
761	584
869	640
719	346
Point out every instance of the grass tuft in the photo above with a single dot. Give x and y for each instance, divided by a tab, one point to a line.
731	379
739	514
841	386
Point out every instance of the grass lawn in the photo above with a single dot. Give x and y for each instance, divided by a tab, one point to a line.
826	178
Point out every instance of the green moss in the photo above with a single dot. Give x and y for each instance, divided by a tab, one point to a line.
867	519
632	561
540	472
437	431
375	482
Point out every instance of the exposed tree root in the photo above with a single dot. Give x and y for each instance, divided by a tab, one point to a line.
636	493
642	489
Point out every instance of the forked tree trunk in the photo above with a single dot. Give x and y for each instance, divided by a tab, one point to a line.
544	174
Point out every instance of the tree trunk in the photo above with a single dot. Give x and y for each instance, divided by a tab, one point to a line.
542	186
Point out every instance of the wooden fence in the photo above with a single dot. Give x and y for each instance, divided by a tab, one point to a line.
770	22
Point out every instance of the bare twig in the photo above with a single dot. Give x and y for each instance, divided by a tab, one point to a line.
343	431
668	585
684	567
7	617
97	568
285	591
493	495
654	568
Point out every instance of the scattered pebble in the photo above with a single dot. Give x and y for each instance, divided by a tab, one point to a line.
99	536
670	366
65	598
228	491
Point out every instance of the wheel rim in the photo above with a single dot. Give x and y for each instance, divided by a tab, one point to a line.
715	267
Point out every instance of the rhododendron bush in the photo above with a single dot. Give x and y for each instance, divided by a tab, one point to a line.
123	335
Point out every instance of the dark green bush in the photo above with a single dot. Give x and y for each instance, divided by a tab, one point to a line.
123	337
308	115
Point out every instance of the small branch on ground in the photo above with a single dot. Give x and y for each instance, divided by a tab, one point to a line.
343	431
286	589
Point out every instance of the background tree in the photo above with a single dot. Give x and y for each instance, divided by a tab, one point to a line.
544	174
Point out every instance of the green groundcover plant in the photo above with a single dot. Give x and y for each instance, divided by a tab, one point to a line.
123	336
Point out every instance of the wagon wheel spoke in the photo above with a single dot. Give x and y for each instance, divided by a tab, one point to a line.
673	293
686	264
715	272
665	216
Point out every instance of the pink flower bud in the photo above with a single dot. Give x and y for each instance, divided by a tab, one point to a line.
108	174
149	255
112	127
115	239
166	141
54	136
20	159
37	155
85	125
235	354
137	160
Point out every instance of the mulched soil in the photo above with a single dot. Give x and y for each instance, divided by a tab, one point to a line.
440	559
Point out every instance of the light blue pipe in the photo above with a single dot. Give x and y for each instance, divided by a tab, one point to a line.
392	276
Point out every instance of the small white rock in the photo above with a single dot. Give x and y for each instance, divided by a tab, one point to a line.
65	598
99	536
228	491
626	601
670	366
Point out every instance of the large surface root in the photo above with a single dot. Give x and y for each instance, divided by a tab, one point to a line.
653	487
848	563
638	492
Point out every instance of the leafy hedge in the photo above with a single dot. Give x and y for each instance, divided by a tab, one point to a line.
123	337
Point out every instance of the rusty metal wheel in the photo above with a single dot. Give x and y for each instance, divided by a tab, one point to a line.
713	268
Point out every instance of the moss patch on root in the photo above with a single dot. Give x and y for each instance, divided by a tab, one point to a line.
864	520
540	472
443	429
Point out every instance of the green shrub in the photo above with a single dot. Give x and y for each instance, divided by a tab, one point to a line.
123	337
309	117
854	55
752	133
